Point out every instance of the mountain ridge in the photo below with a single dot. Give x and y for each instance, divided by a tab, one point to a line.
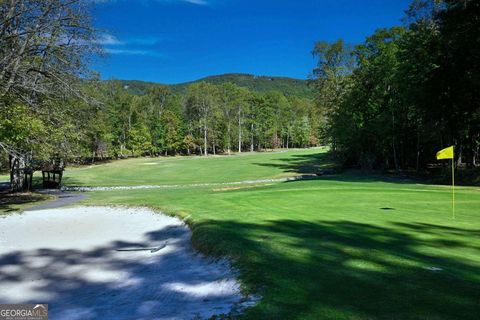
286	85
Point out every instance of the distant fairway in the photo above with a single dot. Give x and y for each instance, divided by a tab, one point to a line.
198	169
338	247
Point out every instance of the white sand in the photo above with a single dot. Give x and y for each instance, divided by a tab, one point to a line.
110	263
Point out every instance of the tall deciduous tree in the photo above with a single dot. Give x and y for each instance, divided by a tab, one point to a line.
45	45
331	78
43	53
202	100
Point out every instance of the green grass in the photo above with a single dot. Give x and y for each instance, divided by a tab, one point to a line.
191	170
342	247
346	246
19	201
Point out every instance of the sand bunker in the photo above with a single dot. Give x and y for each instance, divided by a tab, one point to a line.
111	263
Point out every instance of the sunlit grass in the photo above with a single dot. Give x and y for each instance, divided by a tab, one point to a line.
339	247
187	170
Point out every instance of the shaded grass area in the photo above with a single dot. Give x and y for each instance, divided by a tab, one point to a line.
344	270
10	202
463	176
328	248
301	163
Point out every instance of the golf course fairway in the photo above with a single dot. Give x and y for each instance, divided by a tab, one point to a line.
341	246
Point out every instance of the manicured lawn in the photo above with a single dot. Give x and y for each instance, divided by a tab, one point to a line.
346	246
339	247
190	170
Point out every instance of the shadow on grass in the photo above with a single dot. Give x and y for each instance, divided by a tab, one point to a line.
71	181
323	165
302	164
10	202
348	270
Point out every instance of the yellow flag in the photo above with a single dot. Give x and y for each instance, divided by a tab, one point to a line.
446	153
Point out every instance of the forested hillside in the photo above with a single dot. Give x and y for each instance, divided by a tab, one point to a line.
288	86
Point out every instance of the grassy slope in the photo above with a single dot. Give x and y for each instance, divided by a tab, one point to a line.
189	170
346	247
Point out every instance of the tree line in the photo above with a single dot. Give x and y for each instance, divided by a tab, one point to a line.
207	119
407	91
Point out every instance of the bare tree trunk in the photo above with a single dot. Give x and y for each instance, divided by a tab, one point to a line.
418	150
205	137
476	152
393	143
228	137
17	175
251	138
395	160
239	133
459	160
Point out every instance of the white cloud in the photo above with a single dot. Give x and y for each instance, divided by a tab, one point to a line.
132	52
197	2
108	39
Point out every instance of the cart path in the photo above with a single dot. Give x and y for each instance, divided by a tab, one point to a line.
63	199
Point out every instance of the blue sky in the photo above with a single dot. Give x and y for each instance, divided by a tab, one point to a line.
172	41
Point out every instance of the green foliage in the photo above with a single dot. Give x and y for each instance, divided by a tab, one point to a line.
206	119
43	133
173	132
140	141
19	127
289	86
413	90
331	81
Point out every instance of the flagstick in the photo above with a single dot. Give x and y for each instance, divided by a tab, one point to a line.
453	188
